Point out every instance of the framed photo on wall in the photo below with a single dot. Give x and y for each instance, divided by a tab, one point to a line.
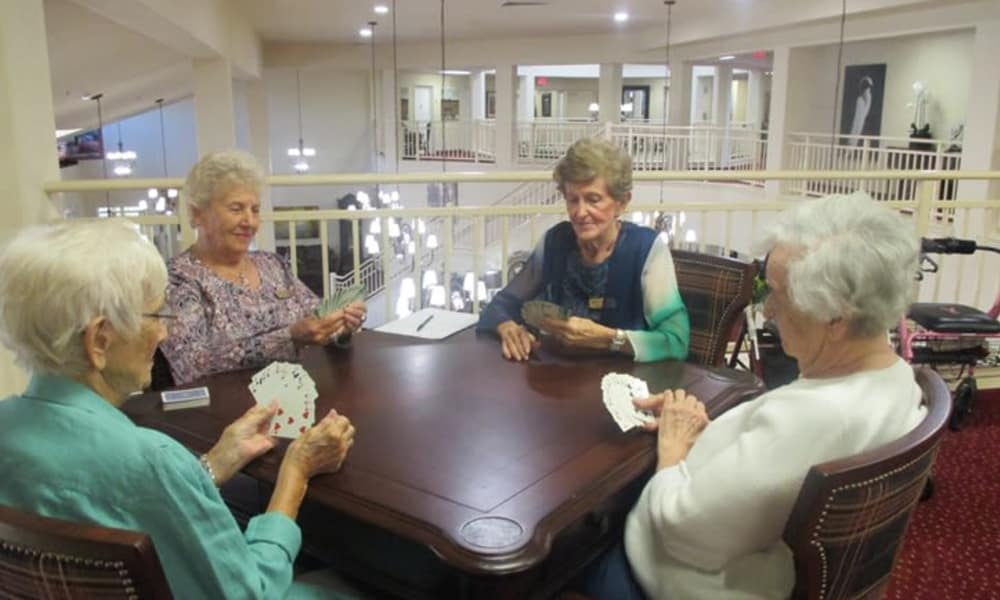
861	105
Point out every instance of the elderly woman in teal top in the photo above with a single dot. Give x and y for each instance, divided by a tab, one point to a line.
617	279
81	307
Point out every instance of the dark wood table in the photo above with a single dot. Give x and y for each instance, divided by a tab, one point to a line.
470	476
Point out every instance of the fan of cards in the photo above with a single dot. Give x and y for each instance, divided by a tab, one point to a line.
619	390
535	311
295	392
340	299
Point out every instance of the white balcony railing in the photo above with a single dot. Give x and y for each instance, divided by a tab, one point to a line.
823	152
716	226
468	141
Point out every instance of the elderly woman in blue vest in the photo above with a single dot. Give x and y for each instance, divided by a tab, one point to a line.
616	278
82	308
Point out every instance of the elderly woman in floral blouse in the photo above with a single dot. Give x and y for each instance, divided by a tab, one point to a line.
235	308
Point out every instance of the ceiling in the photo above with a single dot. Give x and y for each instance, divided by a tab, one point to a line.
338	21
89	52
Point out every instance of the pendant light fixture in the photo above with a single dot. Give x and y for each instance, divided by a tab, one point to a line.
300	153
836	90
121	157
668	75
163	199
100	132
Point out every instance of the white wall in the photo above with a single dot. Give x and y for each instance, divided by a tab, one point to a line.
941	60
459	85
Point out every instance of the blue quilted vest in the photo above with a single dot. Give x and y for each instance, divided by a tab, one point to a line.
623	296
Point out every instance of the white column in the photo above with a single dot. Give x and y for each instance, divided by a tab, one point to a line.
526	99
506	90
722	106
680	93
722	94
781	85
478	95
28	155
755	98
981	143
388	132
609	93
260	147
215	119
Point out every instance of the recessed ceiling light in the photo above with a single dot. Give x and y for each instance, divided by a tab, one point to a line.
727	57
621	17
365	32
381	9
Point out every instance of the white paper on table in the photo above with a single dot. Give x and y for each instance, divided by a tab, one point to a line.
441	324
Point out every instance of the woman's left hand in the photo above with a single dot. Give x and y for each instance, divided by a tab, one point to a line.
355	314
579	332
243	440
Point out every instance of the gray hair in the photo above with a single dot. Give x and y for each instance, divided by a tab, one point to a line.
590	158
55	279
219	172
858	261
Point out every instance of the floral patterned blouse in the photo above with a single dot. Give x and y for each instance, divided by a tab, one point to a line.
223	326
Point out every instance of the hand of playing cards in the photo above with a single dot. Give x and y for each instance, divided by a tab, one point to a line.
534	312
295	392
619	390
340	299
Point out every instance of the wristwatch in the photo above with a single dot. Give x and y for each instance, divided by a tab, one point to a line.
618	342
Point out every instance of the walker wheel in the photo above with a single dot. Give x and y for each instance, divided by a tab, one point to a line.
962	399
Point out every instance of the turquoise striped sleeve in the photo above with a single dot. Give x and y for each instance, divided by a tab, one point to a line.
669	332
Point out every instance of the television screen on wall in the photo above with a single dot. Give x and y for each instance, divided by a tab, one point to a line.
83	145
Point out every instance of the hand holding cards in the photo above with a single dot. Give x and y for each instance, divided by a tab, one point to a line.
535	312
619	390
340	299
295	392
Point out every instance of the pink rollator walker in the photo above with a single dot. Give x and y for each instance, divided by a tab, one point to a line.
938	334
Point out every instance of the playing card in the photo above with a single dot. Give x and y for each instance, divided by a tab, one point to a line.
295	392
619	390
534	312
340	299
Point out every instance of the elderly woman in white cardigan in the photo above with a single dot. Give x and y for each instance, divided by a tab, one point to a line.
709	523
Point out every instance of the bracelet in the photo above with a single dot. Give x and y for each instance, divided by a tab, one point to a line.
203	459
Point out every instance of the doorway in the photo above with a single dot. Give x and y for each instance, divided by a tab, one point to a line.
423	103
635	102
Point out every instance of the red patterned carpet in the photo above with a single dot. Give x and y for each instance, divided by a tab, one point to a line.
952	550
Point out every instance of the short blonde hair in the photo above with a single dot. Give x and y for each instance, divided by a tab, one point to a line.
590	158
54	279
219	172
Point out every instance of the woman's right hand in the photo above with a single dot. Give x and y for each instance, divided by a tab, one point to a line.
323	448
516	342
319	330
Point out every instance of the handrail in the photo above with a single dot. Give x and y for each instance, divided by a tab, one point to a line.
326	179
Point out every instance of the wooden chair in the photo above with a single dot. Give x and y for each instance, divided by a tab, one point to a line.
848	522
715	290
41	557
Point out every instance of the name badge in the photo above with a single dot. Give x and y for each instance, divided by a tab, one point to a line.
282	293
595	303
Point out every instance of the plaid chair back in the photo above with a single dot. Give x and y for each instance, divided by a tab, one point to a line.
848	522
49	558
715	291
